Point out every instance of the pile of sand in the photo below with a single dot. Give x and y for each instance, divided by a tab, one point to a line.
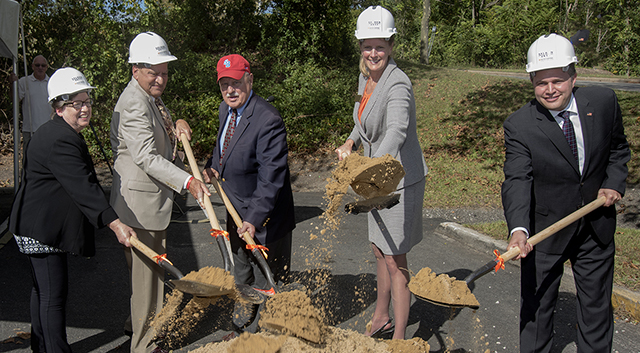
442	289
337	341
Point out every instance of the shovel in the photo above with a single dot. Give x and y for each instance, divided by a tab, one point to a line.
260	256
513	252
198	289
245	291
378	203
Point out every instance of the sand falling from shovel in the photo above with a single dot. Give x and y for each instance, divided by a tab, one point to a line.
176	321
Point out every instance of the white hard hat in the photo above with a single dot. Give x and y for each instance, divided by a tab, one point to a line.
66	82
375	22
549	52
149	48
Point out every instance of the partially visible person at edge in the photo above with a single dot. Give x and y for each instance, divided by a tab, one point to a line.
564	149
385	123
147	173
250	161
32	91
58	206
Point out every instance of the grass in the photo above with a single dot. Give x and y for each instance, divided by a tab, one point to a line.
459	123
460	116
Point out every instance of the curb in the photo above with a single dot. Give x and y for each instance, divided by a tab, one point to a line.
622	299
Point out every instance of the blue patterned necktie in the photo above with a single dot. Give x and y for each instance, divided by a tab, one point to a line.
231	128
569	133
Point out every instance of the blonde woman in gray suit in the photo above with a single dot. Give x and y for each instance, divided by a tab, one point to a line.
385	123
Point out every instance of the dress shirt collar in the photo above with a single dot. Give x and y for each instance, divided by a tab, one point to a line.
572	107
241	109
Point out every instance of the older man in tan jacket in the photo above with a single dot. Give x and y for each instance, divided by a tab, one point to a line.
147	173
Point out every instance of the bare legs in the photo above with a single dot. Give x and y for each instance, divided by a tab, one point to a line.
392	284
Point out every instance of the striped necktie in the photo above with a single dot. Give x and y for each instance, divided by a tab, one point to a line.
569	133
231	128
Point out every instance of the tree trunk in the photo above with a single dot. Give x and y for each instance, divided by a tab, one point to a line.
424	32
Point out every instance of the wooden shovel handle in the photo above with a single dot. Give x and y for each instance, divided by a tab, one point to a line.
556	227
213	220
234	214
152	255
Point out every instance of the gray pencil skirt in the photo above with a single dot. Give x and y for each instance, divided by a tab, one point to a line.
402	222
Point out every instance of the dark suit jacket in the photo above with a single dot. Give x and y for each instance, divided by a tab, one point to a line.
542	180
60	201
254	172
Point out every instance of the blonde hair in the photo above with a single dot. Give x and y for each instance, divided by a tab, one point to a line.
364	70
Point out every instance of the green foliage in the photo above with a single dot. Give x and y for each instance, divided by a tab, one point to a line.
303	30
316	104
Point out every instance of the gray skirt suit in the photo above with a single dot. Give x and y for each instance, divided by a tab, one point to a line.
388	126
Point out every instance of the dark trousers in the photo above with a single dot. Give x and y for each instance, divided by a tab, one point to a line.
247	270
592	266
48	303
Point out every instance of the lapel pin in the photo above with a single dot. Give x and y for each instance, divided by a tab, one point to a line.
589	114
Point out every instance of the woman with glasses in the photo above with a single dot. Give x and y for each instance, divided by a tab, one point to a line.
58	206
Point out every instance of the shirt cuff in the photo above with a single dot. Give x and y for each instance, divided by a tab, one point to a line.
185	185
517	229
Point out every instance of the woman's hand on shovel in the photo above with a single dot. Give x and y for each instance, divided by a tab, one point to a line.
519	239
123	232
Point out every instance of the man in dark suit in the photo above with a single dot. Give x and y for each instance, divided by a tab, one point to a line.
250	160
564	149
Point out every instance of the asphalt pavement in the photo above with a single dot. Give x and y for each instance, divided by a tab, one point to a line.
98	299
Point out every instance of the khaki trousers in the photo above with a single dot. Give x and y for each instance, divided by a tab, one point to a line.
147	290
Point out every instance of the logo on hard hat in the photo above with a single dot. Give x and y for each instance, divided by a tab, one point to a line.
545	55
374	24
227	63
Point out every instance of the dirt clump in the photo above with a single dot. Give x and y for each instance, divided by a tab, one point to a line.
292	313
442	289
368	177
214	277
414	345
248	342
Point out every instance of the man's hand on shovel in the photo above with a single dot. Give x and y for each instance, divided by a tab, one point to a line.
519	240
198	189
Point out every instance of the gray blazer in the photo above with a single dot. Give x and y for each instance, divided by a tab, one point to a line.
389	123
145	178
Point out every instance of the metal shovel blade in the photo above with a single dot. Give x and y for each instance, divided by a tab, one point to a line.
377	203
199	289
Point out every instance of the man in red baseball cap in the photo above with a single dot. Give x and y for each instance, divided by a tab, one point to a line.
250	161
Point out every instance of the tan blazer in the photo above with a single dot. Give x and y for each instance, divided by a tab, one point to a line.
145	178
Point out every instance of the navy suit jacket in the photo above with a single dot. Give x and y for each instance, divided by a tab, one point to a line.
60	202
542	180
254	172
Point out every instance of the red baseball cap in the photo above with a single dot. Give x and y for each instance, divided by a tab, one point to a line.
233	66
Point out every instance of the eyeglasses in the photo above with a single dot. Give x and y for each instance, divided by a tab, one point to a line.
40	65
79	104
